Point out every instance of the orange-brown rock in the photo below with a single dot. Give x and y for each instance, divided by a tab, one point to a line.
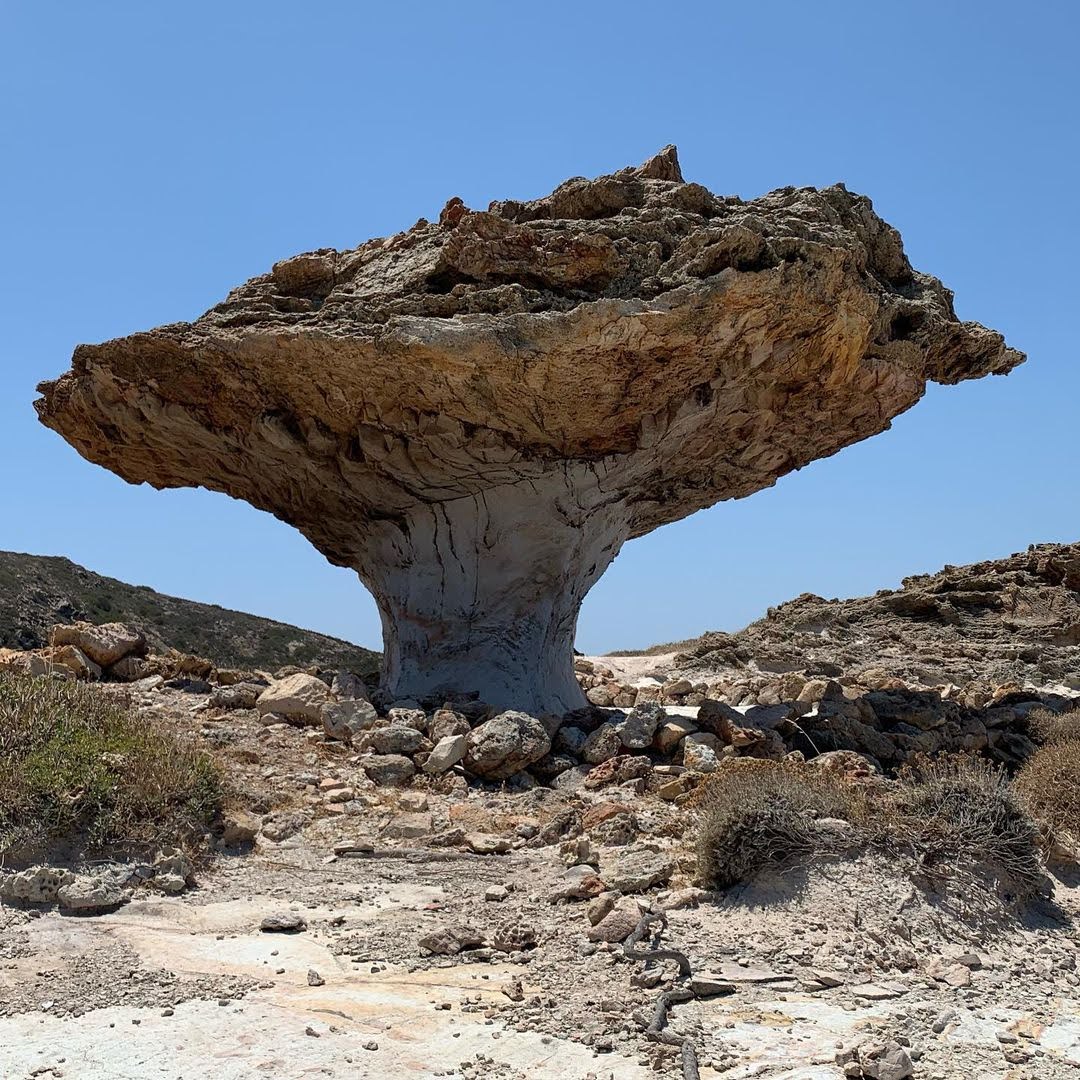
475	414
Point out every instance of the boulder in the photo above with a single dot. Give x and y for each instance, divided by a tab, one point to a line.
505	745
104	644
698	756
446	753
671	733
602	744
392	739
87	895
129	669
618	924
299	698
636	871
237	696
346	686
73	658
345	720
238	827
447	722
451	940
639	727
37	885
388	770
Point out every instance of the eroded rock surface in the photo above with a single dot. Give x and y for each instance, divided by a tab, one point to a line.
475	414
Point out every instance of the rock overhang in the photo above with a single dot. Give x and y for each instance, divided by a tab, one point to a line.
631	349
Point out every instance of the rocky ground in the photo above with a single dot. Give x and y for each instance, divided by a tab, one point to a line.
438	889
407	952
1015	620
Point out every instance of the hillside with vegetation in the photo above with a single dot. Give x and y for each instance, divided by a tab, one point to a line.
37	591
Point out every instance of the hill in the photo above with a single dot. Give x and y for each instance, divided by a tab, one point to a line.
38	590
1012	619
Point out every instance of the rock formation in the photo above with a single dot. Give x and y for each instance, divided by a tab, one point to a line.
475	414
1012	620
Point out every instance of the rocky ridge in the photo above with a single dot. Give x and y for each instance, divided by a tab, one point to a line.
1011	620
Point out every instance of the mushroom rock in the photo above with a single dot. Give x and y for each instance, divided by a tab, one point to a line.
477	413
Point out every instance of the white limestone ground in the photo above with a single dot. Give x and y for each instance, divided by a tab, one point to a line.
380	1010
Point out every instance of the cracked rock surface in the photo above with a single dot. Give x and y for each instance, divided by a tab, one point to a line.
476	413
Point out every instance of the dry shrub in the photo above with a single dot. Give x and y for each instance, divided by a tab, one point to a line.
77	765
1048	727
960	810
1048	785
755	814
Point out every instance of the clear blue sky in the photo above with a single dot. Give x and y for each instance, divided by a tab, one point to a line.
156	155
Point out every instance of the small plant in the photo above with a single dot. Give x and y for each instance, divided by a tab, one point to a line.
754	815
79	766
1048	785
961	810
1048	727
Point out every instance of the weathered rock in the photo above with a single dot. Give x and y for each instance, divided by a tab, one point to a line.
601	696
283	922
346	686
699	756
346	719
617	924
238	827
477	413
408	826
602	744
451	940
129	669
671	733
505	744
570	739
705	985
639	727
174	863
446	722
485	844
237	696
446	753
73	658
300	698
618	770
389	770
392	739
636	871
281	824
86	895
885	1061
37	885
104	644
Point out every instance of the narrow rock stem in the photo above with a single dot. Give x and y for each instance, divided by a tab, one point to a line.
482	593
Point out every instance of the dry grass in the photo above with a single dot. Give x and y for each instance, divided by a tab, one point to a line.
757	815
78	766
949	814
961	810
1047	727
1048	783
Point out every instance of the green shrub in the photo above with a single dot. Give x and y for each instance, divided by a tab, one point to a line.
77	765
